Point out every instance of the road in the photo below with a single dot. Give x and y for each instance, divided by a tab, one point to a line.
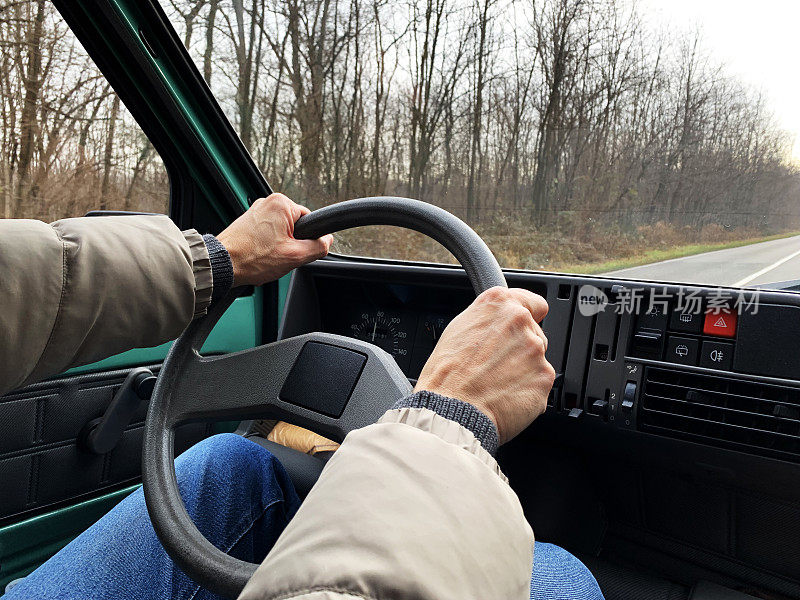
765	262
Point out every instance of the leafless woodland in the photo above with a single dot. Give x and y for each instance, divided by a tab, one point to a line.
563	130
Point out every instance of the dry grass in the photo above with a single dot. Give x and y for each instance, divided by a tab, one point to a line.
588	249
579	246
70	194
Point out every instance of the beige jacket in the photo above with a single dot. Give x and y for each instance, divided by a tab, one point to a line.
78	290
412	507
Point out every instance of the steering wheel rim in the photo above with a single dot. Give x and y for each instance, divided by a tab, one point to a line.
194	554
460	239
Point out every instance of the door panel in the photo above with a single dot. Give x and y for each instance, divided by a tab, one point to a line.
40	461
51	488
43	465
25	545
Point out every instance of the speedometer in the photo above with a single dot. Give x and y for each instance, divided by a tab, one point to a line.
385	330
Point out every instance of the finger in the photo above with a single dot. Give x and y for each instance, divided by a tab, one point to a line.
301	209
296	210
533	302
540	332
308	250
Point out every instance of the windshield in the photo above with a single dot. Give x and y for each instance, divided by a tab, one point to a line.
651	140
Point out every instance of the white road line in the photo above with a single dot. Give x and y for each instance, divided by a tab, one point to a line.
757	274
690	256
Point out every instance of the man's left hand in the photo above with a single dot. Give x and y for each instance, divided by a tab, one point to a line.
262	245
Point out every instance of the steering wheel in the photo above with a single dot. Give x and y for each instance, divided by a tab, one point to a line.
329	383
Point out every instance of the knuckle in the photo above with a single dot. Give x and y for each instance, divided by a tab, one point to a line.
278	198
549	372
519	316
537	346
495	294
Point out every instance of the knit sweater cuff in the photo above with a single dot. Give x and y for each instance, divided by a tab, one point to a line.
463	413
221	267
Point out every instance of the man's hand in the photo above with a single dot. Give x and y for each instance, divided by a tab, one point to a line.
492	356
261	242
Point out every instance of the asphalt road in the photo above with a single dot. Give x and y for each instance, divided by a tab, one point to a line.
765	262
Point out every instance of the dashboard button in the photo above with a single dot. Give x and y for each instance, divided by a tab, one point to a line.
648	343
717	355
689	321
654	318
682	350
721	323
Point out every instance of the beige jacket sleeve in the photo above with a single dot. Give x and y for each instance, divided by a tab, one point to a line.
412	507
78	290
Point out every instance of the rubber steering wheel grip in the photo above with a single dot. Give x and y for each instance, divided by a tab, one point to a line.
225	377
451	232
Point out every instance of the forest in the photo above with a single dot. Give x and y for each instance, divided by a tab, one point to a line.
565	131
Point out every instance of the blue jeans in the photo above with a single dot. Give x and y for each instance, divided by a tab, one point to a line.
241	498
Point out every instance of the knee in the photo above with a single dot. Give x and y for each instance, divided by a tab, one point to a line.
221	449
226	460
558	574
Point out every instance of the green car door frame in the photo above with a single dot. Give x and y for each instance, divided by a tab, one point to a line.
212	180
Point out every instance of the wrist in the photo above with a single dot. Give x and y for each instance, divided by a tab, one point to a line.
221	267
465	414
236	257
436	383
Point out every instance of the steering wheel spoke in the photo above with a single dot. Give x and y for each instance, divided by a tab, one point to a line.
330	383
241	385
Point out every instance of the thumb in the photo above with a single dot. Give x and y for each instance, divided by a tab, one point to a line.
309	250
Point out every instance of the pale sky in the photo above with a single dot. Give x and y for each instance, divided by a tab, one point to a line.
759	41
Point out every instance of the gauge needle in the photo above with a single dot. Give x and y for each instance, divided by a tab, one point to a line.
374	327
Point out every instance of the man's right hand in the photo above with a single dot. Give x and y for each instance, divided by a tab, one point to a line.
492	356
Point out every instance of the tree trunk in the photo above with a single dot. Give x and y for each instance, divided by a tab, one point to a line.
477	114
108	153
209	51
33	88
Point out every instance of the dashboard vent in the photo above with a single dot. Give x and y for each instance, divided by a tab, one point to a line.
748	416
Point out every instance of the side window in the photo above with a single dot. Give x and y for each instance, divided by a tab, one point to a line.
67	143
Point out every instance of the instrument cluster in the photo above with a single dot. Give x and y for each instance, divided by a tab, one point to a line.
397	318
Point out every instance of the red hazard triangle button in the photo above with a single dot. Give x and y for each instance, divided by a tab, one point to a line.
722	323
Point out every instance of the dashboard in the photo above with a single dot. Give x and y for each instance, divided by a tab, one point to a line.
628	355
672	430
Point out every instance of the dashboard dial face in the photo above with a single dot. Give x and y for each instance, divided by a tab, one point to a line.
385	330
434	326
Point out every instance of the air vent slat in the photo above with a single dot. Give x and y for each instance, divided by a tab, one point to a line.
768	404
766	423
761	418
665	431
